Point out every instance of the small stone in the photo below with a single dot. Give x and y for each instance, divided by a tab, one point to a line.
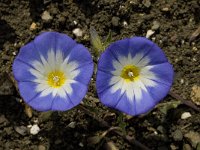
3	119
33	26
149	33
125	24
186	115
165	9
75	22
115	21
78	32
161	129
156	26
22	130
72	125
8	130
195	94
34	129
193	138
187	147
81	144
146	3
177	135
41	147
46	16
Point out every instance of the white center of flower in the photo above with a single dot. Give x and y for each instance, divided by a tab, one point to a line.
54	74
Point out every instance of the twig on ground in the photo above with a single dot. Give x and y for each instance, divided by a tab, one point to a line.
129	139
185	102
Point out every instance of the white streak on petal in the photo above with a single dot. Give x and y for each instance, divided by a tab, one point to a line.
137	58
117	86
129	91
36	73
55	91
59	59
148	82
46	64
67	86
114	80
123	60
41	87
38	66
118	67
51	59
138	93
143	62
46	92
61	92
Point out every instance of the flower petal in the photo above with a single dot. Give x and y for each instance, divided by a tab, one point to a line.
41	103
21	71
145	103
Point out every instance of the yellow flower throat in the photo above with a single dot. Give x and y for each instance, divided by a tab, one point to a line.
56	79
130	73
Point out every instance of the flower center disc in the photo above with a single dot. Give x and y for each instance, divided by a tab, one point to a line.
56	79
130	73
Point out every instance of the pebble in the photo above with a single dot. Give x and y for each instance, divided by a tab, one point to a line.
72	125
34	129
165	9
195	94
146	3
161	129
186	115
22	130
177	135
46	16
125	23
33	26
149	33
187	147
41	147
193	138
3	119
78	32
156	26
115	21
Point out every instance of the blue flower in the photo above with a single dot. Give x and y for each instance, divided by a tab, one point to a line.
133	75
53	72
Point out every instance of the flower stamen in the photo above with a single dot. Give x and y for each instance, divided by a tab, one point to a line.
130	73
56	79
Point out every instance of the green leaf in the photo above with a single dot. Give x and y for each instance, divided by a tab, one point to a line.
108	39
169	105
96	41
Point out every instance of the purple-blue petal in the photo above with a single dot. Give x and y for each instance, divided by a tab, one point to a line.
42	103
110	99
21	71
28	54
102	81
61	104
145	104
164	73
27	90
105	61
85	73
127	106
79	92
